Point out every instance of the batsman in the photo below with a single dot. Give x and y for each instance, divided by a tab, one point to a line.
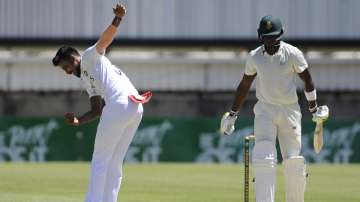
275	65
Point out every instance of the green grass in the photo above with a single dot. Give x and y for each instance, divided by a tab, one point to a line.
67	182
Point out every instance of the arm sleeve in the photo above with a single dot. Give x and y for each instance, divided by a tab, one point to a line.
91	55
299	61
250	68
89	60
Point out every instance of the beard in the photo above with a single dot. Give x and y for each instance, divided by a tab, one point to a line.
77	71
272	48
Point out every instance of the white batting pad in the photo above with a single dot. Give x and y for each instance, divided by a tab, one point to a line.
295	178
264	161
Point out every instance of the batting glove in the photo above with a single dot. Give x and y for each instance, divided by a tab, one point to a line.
227	123
321	114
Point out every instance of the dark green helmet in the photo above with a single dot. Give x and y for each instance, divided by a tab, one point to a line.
270	26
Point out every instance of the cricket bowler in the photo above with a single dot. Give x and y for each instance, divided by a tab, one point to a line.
275	65
112	97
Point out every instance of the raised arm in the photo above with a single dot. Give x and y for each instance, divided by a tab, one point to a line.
108	35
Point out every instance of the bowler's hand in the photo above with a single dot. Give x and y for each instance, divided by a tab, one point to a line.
71	119
119	10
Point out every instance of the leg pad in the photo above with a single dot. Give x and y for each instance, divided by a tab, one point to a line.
295	178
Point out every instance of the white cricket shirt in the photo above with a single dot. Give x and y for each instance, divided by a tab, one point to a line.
276	74
102	78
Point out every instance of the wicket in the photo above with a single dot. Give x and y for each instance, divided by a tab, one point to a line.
247	166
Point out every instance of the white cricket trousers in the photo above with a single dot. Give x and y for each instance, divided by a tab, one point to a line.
271	121
282	121
118	124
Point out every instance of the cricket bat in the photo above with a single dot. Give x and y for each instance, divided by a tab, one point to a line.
318	137
322	115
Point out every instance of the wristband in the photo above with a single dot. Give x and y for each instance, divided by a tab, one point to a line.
116	21
310	96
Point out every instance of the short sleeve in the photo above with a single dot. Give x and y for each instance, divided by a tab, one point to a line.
89	60
90	55
250	68
299	61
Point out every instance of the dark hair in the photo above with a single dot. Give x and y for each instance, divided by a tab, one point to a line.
64	53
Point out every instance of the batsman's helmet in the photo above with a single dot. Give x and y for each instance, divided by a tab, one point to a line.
270	26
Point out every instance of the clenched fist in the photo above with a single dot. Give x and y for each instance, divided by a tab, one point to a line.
119	10
71	119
